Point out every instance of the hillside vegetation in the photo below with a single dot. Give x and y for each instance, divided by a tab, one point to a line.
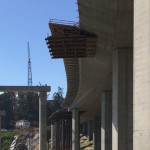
7	138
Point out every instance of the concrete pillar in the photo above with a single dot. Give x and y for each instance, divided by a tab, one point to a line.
90	130
63	134
141	102
97	133
57	136
106	121
75	129
42	121
52	137
122	99
85	128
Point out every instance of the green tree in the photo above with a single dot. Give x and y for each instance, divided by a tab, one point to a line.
55	103
7	137
5	104
28	106
58	98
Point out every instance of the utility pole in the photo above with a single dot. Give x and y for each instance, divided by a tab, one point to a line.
29	68
2	113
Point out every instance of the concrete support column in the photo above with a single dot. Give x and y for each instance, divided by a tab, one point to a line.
97	133
90	130
52	137
42	121
63	139
141	103
122	100
75	129
57	136
85	129
106	121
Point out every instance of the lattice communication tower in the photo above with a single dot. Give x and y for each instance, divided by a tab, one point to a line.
29	68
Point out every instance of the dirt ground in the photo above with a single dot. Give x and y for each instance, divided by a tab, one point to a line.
85	144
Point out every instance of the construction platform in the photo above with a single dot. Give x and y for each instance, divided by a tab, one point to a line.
69	41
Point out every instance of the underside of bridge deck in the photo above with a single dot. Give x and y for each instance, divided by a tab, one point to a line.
112	23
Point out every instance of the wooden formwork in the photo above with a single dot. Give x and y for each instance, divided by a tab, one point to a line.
69	41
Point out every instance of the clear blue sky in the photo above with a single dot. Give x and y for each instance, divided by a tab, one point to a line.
27	20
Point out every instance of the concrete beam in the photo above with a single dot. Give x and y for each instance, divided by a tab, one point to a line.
25	88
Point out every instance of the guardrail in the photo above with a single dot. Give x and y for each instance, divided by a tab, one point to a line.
65	22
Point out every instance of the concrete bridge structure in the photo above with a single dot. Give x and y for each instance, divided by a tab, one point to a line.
42	109
113	87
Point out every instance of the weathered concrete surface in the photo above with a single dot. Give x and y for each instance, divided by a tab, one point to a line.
123	31
95	73
106	121
112	22
122	104
72	72
141	114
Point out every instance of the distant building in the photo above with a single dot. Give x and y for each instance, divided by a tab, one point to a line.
22	124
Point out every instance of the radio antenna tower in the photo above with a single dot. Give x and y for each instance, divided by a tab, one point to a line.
29	68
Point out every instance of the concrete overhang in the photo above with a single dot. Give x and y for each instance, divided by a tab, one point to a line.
110	21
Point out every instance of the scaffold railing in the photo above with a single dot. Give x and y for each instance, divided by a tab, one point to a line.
64	22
